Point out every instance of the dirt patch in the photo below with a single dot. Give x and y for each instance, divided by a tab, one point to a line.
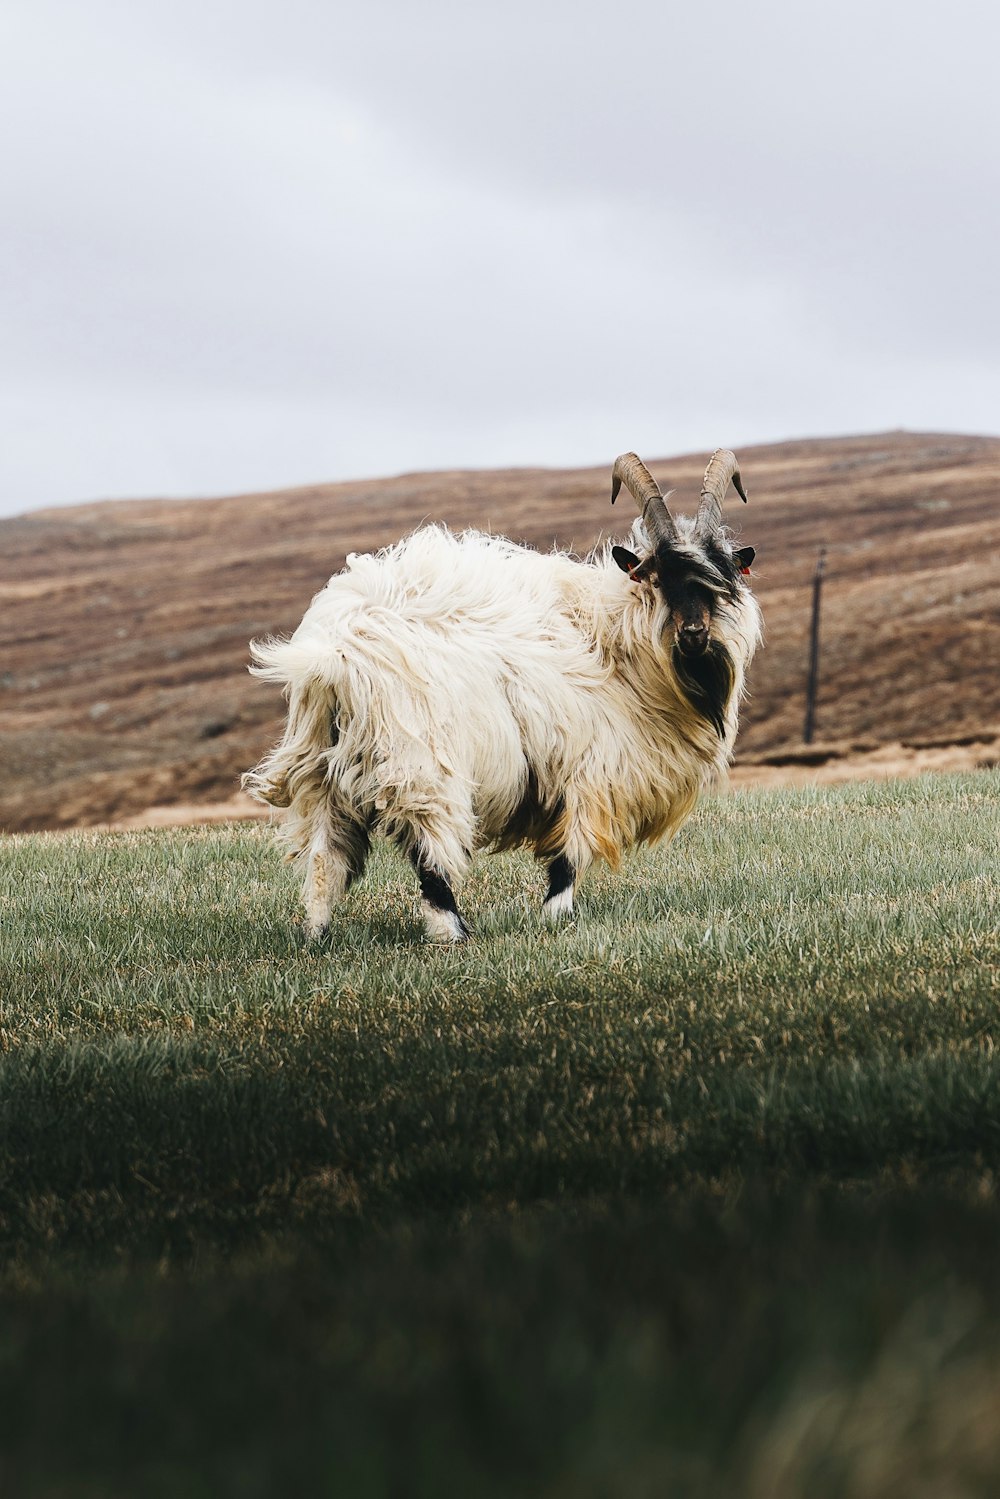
884	763
185	814
823	767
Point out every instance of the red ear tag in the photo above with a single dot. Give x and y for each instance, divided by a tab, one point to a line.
745	571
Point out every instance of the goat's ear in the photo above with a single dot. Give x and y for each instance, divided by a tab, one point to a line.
627	561
744	558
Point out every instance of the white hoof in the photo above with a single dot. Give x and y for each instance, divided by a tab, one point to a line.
443	926
560	906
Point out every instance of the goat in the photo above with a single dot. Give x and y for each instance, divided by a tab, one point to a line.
454	692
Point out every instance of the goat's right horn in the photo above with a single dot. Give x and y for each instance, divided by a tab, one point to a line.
722	469
633	473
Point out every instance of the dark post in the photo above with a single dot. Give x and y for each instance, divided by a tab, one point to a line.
807	732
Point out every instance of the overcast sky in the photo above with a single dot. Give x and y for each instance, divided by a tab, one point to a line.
248	243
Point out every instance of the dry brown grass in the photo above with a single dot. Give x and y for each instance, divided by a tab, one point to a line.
124	626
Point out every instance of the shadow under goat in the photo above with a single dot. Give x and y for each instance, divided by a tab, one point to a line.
458	691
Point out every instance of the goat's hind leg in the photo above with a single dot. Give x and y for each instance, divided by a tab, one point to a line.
443	922
335	859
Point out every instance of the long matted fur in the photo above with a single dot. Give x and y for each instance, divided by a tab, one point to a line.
459	691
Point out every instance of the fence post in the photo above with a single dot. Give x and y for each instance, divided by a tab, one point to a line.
813	685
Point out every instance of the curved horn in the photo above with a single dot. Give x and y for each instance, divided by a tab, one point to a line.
722	468
633	473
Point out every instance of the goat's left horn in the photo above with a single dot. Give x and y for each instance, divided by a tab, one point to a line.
722	470
633	473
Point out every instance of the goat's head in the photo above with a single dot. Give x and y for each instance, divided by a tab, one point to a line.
692	564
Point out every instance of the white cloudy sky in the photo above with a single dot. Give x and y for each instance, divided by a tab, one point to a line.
248	243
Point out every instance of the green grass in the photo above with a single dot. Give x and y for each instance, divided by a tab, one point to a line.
695	1195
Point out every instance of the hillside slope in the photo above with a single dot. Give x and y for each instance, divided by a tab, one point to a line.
124	626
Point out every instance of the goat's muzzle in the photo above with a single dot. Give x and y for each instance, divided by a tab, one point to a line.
692	640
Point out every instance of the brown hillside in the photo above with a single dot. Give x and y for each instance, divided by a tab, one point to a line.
125	625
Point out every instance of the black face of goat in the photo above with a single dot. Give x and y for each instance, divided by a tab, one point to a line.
690	601
691	586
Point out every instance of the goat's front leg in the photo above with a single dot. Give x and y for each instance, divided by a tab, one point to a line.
564	876
559	900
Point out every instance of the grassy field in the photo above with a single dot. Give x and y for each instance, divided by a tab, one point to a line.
696	1195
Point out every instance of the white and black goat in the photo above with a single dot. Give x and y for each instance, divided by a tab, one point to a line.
458	691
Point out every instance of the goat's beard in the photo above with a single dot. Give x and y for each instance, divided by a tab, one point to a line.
707	682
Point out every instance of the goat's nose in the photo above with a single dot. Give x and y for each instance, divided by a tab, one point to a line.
693	639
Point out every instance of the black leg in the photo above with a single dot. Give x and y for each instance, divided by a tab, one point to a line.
559	900
442	917
356	848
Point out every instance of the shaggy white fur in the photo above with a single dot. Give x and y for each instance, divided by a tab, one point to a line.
456	691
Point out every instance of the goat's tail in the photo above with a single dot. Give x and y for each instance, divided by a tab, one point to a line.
300	762
293	663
